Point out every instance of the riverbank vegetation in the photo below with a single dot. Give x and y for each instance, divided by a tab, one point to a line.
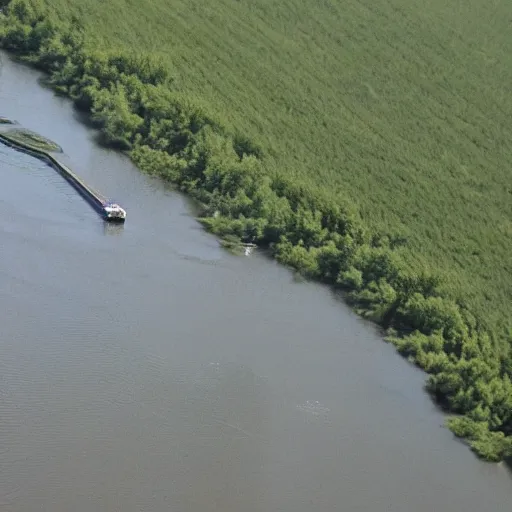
366	144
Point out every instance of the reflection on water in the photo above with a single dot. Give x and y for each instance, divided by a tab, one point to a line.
113	228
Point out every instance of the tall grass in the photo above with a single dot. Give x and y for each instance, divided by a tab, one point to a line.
400	107
376	141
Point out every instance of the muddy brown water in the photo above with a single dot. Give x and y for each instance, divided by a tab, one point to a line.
144	368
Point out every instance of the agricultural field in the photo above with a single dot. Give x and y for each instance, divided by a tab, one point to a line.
399	107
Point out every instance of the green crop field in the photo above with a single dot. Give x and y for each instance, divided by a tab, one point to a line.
397	110
401	107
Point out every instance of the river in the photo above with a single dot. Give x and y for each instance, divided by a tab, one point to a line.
143	368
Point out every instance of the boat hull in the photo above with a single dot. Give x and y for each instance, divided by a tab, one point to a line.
114	220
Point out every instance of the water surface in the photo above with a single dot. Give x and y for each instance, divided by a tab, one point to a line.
143	368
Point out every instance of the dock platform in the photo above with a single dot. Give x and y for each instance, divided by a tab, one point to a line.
109	211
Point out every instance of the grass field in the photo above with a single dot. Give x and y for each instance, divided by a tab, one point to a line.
401	107
397	109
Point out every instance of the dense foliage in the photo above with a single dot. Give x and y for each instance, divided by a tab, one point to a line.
134	100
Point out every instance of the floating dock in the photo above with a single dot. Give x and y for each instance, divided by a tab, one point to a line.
109	211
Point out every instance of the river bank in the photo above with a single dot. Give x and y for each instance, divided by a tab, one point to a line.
131	99
151	369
